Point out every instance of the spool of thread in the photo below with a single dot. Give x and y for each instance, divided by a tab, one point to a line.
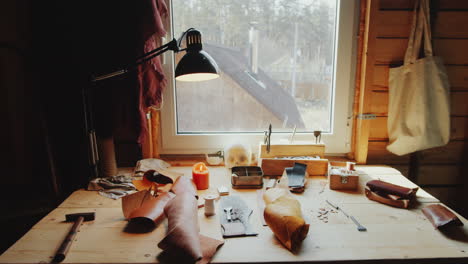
209	205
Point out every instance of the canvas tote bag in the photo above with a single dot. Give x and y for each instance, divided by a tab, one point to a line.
419	99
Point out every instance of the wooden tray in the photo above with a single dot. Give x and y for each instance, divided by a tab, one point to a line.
274	162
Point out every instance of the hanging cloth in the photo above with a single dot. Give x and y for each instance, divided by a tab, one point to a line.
151	79
419	99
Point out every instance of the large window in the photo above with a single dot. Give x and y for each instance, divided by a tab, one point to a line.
280	65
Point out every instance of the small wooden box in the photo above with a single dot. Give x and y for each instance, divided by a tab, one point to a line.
342	176
282	156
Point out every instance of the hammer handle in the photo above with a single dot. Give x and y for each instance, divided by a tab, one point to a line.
66	244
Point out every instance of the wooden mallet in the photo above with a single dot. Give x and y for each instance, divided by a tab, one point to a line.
78	218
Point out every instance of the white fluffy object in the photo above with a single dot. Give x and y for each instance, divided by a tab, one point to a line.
237	155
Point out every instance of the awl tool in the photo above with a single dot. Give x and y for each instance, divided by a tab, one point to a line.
359	226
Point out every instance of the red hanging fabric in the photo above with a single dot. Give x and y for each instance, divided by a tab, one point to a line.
151	79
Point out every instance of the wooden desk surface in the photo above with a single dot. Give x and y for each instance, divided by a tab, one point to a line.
394	235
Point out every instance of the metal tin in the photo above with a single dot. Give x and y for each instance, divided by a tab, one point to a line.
247	177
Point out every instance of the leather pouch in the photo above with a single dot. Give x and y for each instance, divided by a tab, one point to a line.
390	194
440	216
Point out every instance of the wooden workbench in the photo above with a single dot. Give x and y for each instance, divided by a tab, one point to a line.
394	235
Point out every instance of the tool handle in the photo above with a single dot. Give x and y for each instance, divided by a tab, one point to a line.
359	226
66	244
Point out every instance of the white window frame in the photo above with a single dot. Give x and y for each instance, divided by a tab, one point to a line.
337	143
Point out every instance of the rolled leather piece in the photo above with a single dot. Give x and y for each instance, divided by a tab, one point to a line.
149	214
184	185
182	239
133	201
388	188
284	217
440	216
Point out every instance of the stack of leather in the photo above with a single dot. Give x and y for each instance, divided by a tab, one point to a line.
183	242
390	194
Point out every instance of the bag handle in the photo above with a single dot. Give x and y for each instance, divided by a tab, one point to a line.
427	28
414	41
420	29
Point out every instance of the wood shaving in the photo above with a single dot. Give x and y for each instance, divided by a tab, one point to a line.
324	184
322	215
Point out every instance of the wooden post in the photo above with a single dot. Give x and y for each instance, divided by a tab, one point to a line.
147	145
155	131
360	52
361	135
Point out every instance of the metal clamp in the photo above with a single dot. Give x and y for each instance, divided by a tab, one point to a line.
366	116
344	179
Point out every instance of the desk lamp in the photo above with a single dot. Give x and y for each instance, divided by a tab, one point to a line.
195	65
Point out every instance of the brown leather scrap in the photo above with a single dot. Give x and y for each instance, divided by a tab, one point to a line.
209	247
184	185
283	215
440	216
183	235
183	240
149	214
133	201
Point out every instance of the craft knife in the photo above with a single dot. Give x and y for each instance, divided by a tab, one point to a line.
228	211
359	226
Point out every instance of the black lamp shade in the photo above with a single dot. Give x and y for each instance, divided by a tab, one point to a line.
196	66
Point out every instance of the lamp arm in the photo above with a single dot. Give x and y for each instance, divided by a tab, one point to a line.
172	45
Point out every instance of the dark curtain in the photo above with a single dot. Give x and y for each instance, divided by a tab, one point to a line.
73	40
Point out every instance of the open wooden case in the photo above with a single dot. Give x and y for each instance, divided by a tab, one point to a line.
281	156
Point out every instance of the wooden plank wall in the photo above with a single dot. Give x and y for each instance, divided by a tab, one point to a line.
439	170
